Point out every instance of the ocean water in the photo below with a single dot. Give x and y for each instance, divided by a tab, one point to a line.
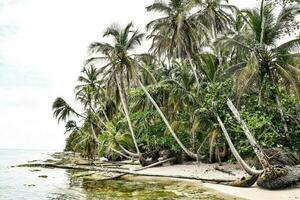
26	184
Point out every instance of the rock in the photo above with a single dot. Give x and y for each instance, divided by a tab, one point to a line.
279	157
29	185
43	176
280	177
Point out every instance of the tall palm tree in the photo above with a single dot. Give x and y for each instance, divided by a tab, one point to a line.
217	16
118	70
177	34
138	71
264	60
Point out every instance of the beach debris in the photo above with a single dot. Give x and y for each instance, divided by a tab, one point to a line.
29	185
224	170
103	159
34	170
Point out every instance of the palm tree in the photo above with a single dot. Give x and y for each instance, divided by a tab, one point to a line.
139	70
119	63
264	60
245	166
177	34
62	110
217	16
112	140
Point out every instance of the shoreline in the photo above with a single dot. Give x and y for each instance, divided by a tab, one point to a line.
204	175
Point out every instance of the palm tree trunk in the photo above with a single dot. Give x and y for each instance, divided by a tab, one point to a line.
256	147
263	21
189	153
193	67
94	134
120	153
123	101
279	108
237	156
128	152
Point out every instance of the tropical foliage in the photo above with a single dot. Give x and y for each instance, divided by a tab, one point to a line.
177	95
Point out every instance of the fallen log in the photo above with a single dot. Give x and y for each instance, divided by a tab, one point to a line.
244	181
143	168
156	164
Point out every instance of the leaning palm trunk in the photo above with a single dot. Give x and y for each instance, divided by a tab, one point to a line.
237	156
127	115
256	147
189	153
120	153
271	177
129	152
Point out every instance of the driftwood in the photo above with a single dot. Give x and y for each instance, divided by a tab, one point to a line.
224	171
156	164
244	181
142	168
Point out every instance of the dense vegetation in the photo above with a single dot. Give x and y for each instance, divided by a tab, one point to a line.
203	54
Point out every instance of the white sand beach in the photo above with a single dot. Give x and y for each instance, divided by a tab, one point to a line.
207	171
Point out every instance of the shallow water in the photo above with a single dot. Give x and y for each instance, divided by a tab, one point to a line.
25	183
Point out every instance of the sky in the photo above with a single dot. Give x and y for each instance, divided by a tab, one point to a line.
43	44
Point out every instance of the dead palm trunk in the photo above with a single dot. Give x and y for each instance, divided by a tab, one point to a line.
237	156
189	153
256	147
124	105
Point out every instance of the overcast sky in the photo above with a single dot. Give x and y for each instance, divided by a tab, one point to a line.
42	47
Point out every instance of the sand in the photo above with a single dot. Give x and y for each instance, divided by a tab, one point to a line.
256	193
203	171
208	171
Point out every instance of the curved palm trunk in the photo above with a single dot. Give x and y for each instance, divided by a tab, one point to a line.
189	153
127	115
256	147
114	150
237	156
129	152
120	153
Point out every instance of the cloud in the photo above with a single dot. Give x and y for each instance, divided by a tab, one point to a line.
42	48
